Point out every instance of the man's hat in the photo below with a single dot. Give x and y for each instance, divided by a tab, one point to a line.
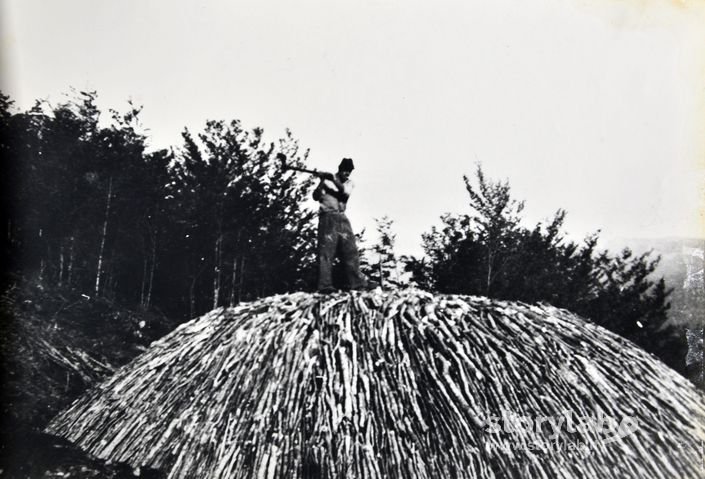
346	165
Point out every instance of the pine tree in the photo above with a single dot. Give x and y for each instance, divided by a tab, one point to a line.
385	267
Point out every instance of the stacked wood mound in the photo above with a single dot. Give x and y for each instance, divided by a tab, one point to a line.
392	384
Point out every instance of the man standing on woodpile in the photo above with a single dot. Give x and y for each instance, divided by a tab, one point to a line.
335	235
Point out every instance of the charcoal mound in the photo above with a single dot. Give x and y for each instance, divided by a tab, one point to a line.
400	384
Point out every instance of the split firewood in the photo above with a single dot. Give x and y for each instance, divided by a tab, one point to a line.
392	384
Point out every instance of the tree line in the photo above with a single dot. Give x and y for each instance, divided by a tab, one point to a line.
489	252
216	220
209	223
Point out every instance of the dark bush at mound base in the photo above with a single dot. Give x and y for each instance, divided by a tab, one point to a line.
392	384
54	344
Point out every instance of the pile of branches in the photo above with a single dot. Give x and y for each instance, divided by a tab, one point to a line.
45	364
392	384
56	343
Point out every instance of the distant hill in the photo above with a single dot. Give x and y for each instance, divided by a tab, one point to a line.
682	264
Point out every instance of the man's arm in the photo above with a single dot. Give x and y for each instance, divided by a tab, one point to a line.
342	190
318	192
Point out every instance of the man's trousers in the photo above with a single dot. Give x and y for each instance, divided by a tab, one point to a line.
335	237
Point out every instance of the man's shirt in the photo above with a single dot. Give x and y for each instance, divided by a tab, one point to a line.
331	204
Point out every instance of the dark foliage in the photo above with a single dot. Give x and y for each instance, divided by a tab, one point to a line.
490	253
54	344
210	224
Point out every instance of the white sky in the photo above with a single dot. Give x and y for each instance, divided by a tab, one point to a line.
594	106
